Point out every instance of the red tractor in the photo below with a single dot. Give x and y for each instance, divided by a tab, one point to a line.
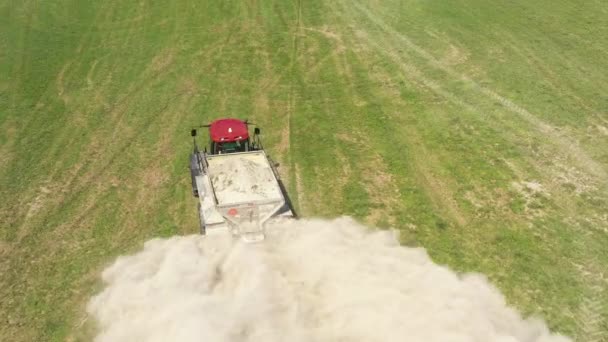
237	184
232	135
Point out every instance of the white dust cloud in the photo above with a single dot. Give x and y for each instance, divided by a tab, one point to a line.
311	280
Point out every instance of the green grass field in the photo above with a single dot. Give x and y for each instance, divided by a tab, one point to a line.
477	128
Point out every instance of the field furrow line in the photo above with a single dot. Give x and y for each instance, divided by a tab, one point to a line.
569	146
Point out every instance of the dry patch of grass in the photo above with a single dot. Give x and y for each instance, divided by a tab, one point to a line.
440	190
383	192
454	56
533	194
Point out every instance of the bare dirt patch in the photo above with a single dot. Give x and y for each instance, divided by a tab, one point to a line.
300	195
90	73
383	191
326	32
532	193
473	198
60	83
5	248
349	138
9	129
379	184
38	201
571	176
454	56
261	104
162	61
345	166
188	87
441	193
602	129
284	143
154	177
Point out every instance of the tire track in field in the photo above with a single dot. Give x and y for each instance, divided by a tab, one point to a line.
117	112
400	58
435	186
151	74
294	169
550	75
386	46
98	173
85	174
56	89
591	318
380	186
566	144
559	170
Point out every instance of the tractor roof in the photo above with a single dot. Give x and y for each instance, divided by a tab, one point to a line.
227	130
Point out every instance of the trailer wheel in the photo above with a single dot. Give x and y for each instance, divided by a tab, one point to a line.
194	172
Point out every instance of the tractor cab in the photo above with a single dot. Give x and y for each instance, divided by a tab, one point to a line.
231	136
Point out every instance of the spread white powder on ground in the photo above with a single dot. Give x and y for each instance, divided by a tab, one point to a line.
310	280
